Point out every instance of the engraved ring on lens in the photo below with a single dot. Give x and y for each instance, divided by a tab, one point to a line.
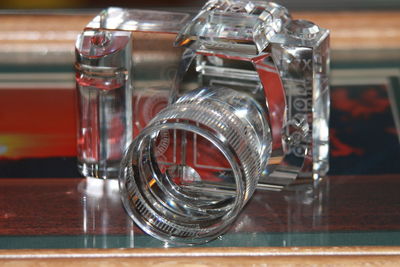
162	199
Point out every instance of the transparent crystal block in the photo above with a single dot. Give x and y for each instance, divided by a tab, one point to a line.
256	48
125	63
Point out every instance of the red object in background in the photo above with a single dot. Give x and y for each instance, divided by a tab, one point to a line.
368	103
340	149
37	123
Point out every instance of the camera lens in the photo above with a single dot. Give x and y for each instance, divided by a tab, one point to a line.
188	174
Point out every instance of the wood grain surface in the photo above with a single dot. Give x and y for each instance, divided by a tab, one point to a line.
349	30
50	39
327	256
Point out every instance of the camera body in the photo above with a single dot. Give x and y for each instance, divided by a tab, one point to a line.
256	48
126	65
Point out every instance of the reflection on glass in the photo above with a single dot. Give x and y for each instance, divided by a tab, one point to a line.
103	214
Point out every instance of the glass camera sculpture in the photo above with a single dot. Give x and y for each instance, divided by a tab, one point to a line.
248	108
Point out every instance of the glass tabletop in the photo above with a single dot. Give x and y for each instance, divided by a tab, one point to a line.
86	213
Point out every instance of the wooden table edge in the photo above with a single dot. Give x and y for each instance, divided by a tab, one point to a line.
349	30
275	256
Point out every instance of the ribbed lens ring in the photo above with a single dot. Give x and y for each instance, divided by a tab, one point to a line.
239	135
148	211
170	213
